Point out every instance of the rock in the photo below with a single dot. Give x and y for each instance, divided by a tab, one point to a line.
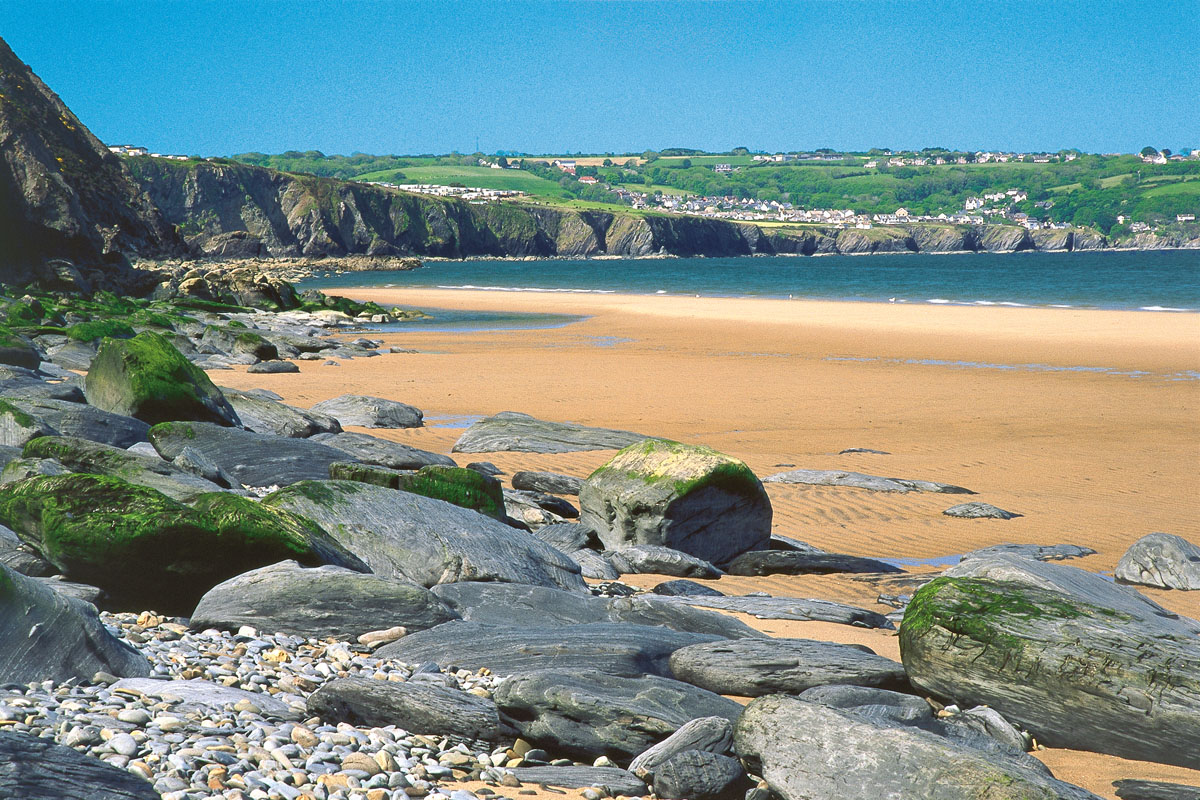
1075	674
17	427
149	551
206	696
708	734
857	480
265	415
781	542
567	536
548	502
426	541
80	591
646	609
253	459
80	455
686	497
20	557
512	431
465	488
593	565
587	713
792	562
685	588
618	649
659	560
614	780
1038	552
807	750
273	367
416	706
147	378
381	452
82	421
334	602
37	769
792	608
485	468
548	482
1161	560
1076	583
698	775
979	511
1132	789
524	510
850	450
17	351
46	635
370	412
755	667
196	463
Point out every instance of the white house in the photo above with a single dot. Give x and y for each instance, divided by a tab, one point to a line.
1185	217
724	168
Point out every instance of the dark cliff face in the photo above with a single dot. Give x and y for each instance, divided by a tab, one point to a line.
62	194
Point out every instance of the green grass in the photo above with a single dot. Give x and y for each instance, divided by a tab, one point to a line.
654	187
733	161
475	177
1191	187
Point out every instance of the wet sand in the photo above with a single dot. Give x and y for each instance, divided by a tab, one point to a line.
1085	422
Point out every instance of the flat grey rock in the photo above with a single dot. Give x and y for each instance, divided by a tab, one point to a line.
792	608
80	591
369	449
37	769
320	602
1163	561
781	542
587	714
659	560
806	750
262	414
21	557
617	781
273	367
426	541
417	706
548	482
370	412
685	588
710	734
1038	552
979	511
593	565
859	480
513	431
254	459
698	775
795	562
201	695
618	649
1133	789
567	536
45	635
649	609
755	667
85	422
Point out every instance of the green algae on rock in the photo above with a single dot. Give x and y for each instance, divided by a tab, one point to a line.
462	487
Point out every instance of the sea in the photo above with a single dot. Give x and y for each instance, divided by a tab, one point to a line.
1165	281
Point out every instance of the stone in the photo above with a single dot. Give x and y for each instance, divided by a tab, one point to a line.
755	667
266	415
370	412
45	635
585	713
698	775
548	482
781	542
426	541
147	378
807	750
485	468
659	560
465	488
321	602
685	588
149	551
416	706
647	609
37	769
273	367
21	468
979	511
547	502
709	734
513	431
1074	673
593	565
17	427
1161	560
1037	552
792	608
201	695
369	449
1133	789
20	557
82	421
614	780
80	591
794	562
618	649
253	459
567	536
192	461
687	497
858	480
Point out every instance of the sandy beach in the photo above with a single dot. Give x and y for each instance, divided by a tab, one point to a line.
1085	422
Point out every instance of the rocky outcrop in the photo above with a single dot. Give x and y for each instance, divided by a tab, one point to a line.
1163	561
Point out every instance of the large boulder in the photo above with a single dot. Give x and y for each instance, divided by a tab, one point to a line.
369	449
370	412
462	487
149	551
319	603
550	482
1074	673
1163	561
147	378
262	414
707	734
686	497
45	635
619	649
417	706
699	775
513	431
755	667
426	541
586	714
37	769
658	560
80	420
807	750
18	426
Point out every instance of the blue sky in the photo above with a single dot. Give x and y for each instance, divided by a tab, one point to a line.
217	78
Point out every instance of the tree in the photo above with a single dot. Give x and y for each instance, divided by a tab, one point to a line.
1165	152
686	163
1149	151
608	162
740	151
502	161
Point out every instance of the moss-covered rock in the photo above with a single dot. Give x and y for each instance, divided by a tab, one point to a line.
17	350
147	550
462	487
18	427
147	378
688	497
101	329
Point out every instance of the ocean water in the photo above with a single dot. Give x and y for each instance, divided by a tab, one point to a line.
1164	281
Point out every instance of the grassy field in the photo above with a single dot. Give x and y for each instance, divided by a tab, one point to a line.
475	177
706	161
1191	187
652	188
